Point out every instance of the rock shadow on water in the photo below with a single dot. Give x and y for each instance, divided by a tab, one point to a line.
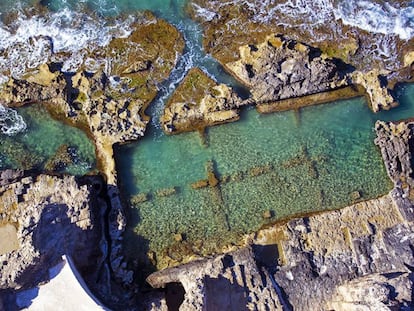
139	261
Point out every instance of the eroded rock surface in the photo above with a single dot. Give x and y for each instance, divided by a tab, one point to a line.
279	68
109	101
199	102
52	216
235	31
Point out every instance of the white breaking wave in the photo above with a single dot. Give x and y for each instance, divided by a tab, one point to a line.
384	18
65	36
374	17
11	122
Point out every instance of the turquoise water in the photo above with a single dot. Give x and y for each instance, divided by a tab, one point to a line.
318	158
268	166
34	147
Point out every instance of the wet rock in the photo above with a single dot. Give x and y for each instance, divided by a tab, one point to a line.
228	25
199	102
62	158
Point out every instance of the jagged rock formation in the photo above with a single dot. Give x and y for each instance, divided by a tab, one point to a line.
322	262
236	30
279	68
228	25
51	216
356	258
378	95
199	102
205	282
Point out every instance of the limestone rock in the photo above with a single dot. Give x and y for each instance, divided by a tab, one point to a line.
229	282
39	87
409	59
199	102
394	140
52	216
109	103
337	260
378	94
279	68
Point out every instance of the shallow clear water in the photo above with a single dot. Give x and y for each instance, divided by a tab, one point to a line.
276	165
321	157
32	148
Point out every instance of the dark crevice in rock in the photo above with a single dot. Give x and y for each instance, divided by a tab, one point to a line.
283	297
174	295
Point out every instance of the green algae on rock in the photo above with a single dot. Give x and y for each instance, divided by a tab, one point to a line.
199	102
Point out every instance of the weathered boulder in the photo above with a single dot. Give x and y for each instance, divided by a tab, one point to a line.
199	102
279	68
378	94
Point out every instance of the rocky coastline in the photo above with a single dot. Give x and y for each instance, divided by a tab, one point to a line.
324	261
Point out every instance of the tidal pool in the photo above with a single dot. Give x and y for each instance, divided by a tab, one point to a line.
268	167
46	143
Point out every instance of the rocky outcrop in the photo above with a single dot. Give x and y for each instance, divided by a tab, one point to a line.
51	216
41	85
378	94
232	27
199	102
108	103
279	68
228	25
396	142
228	282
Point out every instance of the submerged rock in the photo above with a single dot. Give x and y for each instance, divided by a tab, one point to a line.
321	262
337	260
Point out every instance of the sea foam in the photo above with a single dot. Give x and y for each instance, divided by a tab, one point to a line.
64	36
377	18
11	122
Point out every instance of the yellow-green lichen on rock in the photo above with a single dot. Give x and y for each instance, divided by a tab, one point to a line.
199	102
